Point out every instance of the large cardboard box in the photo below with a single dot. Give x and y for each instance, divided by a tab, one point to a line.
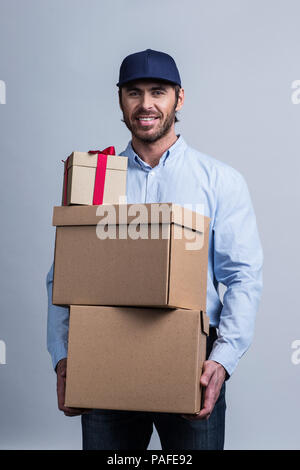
126	358
80	178
162	264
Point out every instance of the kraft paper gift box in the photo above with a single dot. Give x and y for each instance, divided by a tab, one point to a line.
125	270
126	358
95	177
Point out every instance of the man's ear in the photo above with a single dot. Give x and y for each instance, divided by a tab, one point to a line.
180	99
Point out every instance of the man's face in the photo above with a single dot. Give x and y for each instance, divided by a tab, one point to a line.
148	109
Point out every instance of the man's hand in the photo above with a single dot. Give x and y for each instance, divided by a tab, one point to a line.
212	379
61	371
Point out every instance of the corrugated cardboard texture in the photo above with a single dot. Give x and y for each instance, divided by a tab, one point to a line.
89	271
135	359
81	184
135	272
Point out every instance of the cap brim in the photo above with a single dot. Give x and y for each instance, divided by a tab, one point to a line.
165	80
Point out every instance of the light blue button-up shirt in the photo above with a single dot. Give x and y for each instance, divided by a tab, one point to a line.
187	177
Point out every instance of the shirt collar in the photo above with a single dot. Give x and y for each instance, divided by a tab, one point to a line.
178	147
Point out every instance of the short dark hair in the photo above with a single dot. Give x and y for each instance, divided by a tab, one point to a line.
173	85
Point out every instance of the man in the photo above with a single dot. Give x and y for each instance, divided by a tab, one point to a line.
163	168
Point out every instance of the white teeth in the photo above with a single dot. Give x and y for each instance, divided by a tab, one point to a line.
146	119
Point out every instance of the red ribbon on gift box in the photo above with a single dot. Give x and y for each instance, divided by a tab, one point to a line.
100	174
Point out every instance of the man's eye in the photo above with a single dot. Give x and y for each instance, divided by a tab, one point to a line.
158	92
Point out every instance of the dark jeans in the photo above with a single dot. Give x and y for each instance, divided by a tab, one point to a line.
132	430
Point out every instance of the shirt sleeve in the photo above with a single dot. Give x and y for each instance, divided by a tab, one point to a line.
238	259
57	325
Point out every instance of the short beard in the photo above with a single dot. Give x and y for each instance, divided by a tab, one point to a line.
162	131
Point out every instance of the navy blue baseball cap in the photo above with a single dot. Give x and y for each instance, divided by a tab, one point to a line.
149	64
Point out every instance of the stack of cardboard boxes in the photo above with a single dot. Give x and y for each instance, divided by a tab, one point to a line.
134	276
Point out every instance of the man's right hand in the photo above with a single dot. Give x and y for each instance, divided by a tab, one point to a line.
61	372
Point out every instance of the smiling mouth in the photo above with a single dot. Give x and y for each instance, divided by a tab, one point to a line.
147	121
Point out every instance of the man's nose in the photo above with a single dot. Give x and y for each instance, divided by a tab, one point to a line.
147	101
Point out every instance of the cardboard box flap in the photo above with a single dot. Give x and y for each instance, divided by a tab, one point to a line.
114	162
204	323
126	213
188	218
117	162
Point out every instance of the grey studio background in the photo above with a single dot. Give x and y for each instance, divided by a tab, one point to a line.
59	63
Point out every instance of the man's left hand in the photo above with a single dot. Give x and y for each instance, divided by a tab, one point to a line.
212	379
